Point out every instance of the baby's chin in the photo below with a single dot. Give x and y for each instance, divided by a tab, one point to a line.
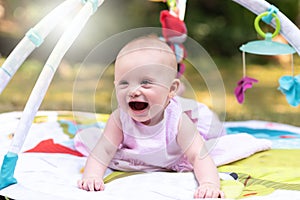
149	118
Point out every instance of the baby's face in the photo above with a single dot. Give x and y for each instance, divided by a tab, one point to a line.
143	81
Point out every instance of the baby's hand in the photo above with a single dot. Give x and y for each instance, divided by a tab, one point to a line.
208	190
91	184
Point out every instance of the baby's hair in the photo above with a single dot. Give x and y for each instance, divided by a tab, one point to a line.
148	42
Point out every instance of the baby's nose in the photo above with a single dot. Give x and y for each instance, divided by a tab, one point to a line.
134	92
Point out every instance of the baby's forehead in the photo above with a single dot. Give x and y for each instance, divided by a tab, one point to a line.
146	43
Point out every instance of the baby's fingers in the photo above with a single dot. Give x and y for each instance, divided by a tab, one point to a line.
99	185
214	194
83	184
79	184
87	185
204	192
200	193
221	194
91	185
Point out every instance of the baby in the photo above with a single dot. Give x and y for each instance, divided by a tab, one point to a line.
152	129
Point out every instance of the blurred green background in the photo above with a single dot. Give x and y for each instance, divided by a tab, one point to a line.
220	26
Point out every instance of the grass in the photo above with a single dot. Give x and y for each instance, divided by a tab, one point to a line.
262	102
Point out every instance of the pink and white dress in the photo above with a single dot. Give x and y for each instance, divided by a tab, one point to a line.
154	148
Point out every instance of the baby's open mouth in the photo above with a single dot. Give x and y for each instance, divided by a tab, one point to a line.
136	105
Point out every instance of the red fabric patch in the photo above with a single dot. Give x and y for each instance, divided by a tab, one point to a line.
287	136
48	146
172	26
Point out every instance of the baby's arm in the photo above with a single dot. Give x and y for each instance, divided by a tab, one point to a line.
92	176
204	168
101	155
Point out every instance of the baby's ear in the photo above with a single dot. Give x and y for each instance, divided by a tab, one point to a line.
115	83
174	88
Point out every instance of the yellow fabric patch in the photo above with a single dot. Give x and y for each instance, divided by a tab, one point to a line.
118	174
232	189
264	172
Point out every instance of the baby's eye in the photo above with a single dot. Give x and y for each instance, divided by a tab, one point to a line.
146	82
123	84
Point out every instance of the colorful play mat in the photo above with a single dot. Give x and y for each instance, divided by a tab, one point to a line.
262	154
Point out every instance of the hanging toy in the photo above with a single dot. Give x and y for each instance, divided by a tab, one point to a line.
290	87
243	84
267	47
176	7
174	30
